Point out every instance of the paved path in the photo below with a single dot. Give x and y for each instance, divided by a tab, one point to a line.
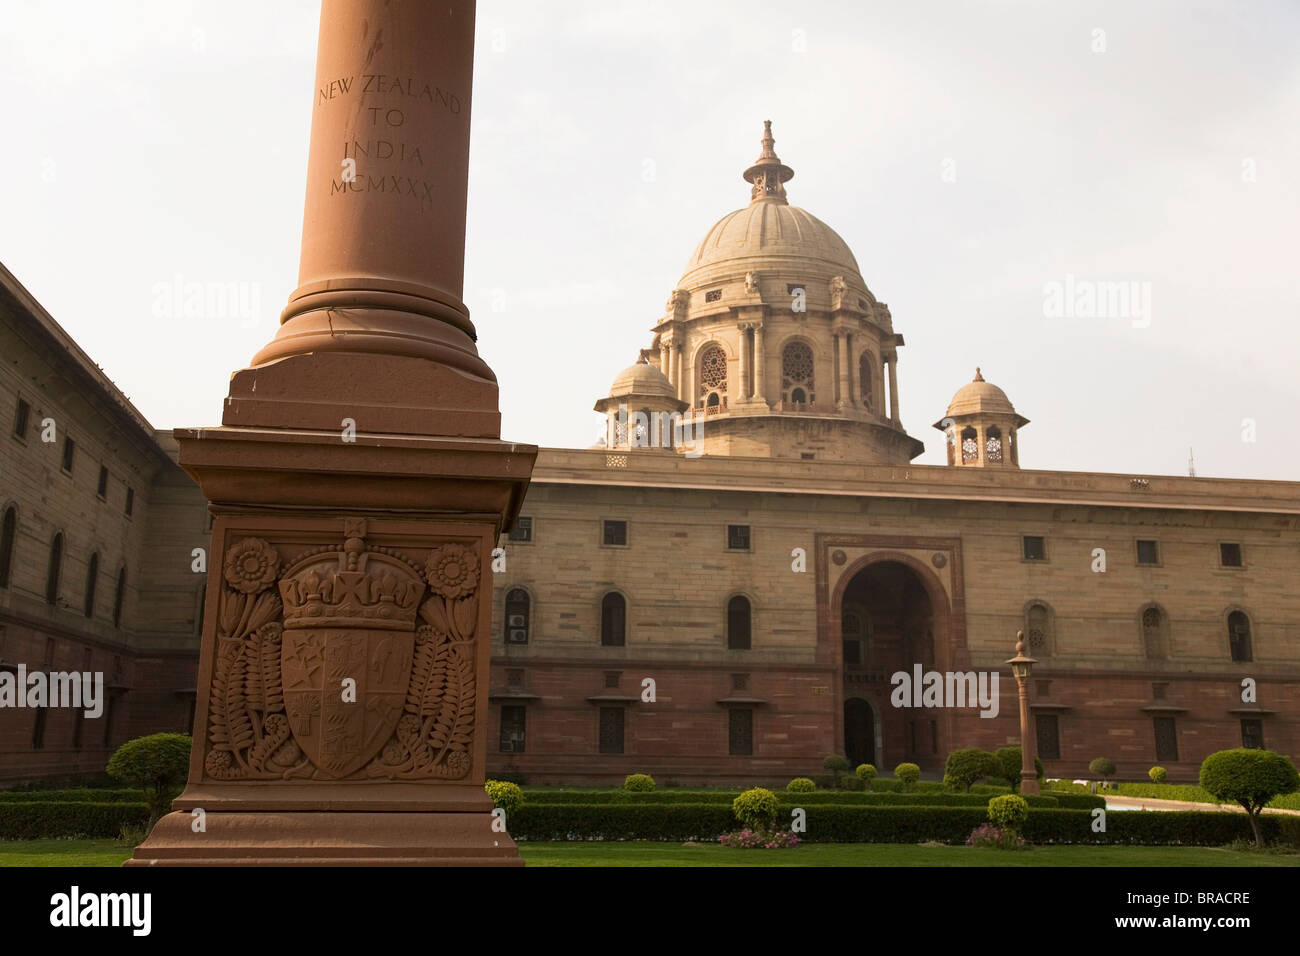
1151	803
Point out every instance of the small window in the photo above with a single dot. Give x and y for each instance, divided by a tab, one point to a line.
1239	637
1252	733
611	730
38	729
862	304
92	576
740	732
1148	553
712	295
523	530
130	501
738	623
55	570
517	613
8	532
1049	736
69	451
738	537
101	489
807	455
1230	555
614	534
513	725
613	620
118	597
612	679
1035	548
21	416
1159	691
739	682
1153	634
1166	730
1043	688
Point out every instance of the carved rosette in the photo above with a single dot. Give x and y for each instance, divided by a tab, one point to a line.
361	667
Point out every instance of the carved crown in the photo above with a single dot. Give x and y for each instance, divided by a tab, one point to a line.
351	587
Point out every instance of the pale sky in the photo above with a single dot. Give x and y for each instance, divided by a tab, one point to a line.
969	153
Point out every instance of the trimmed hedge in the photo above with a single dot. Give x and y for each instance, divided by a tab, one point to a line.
785	797
85	795
25	820
890	824
1194	794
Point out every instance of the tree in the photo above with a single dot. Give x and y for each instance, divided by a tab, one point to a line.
157	764
968	765
1010	763
836	765
908	773
1249	777
1102	767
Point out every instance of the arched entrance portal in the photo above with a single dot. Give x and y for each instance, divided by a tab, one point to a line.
859	732
887	624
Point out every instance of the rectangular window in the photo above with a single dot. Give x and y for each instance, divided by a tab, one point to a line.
110	708
807	455
1252	733
740	732
611	730
738	537
1035	550
852	653
1148	553
740	682
1049	736
38	729
612	678
1230	555
77	718
523	530
69	449
1159	690
20	419
713	295
513	720
130	501
102	488
1166	739
615	533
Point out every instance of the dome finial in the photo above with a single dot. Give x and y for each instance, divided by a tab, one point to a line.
768	174
978	377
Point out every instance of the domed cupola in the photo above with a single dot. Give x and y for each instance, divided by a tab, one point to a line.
982	427
774	340
641	410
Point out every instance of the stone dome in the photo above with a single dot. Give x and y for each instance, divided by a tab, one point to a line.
770	229
980	397
642	379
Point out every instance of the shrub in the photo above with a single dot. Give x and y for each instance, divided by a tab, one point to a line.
1102	767
157	764
968	765
505	795
835	763
1010	763
64	820
760	840
1158	774
801	785
755	808
1008	812
866	773
999	838
908	774
639	783
1249	777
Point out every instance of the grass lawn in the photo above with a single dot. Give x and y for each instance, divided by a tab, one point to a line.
107	853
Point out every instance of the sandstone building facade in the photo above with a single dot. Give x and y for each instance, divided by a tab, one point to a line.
724	590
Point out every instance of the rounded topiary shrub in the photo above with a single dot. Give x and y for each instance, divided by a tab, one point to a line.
755	808
505	796
908	774
1010	764
1158	774
639	783
1102	766
1009	811
158	765
800	785
866	772
835	763
1249	777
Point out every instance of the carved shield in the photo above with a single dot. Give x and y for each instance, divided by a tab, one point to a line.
338	733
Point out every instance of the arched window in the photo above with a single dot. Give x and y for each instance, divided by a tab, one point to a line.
970	449
613	620
864	379
55	570
797	373
92	575
1038	629
738	623
8	531
993	443
1153	633
517	608
118	597
1239	636
713	376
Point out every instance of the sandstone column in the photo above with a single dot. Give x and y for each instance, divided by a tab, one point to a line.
359	485
758	365
893	388
742	353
